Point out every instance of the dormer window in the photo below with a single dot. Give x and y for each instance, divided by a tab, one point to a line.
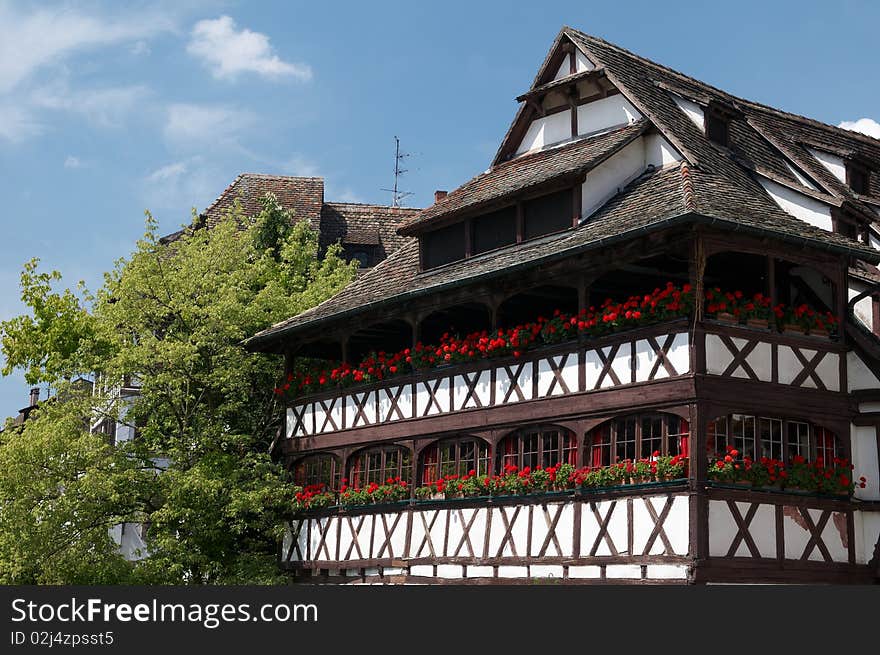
717	128
847	225
857	177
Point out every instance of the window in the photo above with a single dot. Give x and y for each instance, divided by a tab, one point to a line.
760	436
857	177
443	246
378	464
537	447
321	468
454	457
494	230
547	214
638	436
717	128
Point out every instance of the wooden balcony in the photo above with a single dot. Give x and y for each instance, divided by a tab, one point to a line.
633	359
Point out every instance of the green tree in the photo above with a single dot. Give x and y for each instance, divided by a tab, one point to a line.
173	315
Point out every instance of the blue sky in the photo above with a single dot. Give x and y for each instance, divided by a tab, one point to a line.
107	111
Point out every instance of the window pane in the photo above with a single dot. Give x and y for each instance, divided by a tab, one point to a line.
550	454
742	434
626	439
798	440
771	438
652	436
716	436
494	230
530	451
547	214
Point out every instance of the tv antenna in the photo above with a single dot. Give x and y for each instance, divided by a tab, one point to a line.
396	194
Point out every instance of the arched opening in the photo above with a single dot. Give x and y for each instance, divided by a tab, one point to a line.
458	320
454	456
319	468
377	464
776	438
527	306
326	349
390	336
737	271
636	436
538	446
640	277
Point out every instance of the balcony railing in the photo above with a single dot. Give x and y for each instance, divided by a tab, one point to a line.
652	353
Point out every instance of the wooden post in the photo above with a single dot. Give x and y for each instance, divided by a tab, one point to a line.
698	507
771	280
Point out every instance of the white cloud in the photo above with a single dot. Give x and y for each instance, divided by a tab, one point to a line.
141	48
72	162
16	124
299	166
168	172
104	107
190	124
864	125
35	39
228	52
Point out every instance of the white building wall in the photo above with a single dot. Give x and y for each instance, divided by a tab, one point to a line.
692	110
798	205
606	113
833	163
545	131
866	461
603	182
864	308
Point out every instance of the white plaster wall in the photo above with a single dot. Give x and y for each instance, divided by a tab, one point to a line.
585	572
563	69
858	375
623	571
546	571
800	178
867	529
659	152
503	383
833	163
799	205
582	63
864	308
480	571
546	130
866	460
424	406
692	110
606	113
482	390
546	377
602	183
666	572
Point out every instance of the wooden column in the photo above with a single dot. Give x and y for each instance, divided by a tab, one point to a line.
697	271
841	292
771	280
698	542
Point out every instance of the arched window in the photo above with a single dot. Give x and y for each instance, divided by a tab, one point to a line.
320	468
377	464
637	436
454	457
542	446
765	436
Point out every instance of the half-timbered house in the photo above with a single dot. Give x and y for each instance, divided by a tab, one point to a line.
651	268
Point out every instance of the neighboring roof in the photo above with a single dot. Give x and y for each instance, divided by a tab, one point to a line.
303	195
713	184
361	224
348	223
522	173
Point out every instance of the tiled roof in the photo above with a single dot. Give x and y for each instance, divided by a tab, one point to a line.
713	184
528	171
303	195
355	224
648	203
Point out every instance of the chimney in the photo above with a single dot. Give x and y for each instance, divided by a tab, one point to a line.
35	396
438	196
